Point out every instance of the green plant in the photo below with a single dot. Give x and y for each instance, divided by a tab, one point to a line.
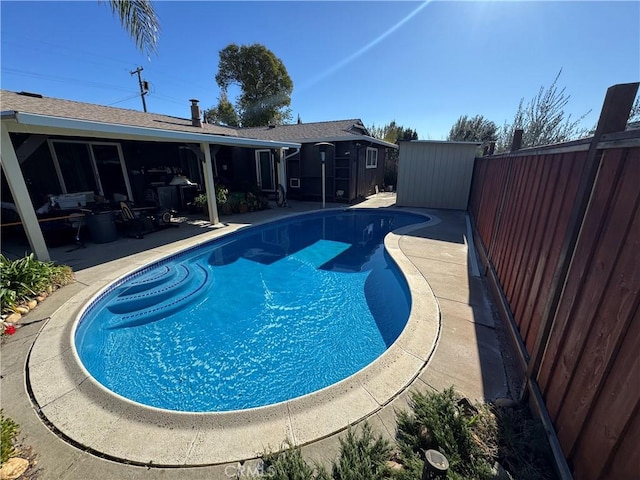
438	421
235	200
362	457
222	194
200	201
289	465
26	277
7	437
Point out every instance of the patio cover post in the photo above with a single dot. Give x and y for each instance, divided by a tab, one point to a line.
282	170
209	185
18	187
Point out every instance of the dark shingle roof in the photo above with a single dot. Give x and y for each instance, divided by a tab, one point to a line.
299	132
57	107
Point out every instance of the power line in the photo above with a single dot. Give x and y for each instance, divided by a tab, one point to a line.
123	99
26	73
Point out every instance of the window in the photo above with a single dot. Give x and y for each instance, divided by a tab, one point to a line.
372	157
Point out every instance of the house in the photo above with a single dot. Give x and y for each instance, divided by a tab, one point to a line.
354	165
60	147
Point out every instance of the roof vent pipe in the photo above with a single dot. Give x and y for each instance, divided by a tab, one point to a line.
195	113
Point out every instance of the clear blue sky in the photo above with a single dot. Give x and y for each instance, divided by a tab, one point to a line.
422	65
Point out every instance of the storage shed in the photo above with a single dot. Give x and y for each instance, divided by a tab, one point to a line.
435	174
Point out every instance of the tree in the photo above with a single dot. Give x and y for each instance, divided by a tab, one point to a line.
543	120
264	83
223	113
473	129
139	18
392	133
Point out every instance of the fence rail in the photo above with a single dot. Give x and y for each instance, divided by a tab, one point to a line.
559	232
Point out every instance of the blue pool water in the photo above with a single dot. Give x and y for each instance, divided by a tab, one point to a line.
256	317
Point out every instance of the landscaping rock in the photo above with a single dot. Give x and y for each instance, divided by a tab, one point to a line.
425	436
22	310
32	304
13	468
499	473
41	297
13	318
391	465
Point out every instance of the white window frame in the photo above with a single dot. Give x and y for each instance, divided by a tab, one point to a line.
92	159
271	170
374	158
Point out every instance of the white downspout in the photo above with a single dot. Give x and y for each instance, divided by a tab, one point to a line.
18	187
209	185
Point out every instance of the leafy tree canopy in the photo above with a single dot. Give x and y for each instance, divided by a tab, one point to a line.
223	113
265	85
139	18
543	120
392	132
473	129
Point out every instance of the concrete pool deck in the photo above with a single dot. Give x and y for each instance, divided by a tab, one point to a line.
454	342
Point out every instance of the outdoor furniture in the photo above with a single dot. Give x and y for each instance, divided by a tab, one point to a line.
134	225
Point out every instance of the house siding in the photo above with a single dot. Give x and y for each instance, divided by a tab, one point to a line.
345	166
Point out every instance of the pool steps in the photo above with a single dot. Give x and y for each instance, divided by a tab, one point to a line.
153	298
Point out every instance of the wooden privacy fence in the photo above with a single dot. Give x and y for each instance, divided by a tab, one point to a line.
558	229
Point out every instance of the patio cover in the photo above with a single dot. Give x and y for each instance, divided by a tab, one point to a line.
38	123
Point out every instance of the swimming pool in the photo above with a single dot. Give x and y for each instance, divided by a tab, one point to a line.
254	318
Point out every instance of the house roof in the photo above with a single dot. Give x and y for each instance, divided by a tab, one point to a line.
81	118
332	131
31	113
57	107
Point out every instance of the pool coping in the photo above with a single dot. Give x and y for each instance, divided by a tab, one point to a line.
87	415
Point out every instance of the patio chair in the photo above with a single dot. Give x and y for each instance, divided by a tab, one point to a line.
134	225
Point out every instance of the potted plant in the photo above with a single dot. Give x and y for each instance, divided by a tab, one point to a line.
200	202
222	194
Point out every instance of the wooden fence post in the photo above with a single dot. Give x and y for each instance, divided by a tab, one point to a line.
516	143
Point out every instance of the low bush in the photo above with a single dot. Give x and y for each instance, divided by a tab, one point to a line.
480	441
437	421
26	277
7	437
362	457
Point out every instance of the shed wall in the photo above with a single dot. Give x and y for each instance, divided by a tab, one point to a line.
435	174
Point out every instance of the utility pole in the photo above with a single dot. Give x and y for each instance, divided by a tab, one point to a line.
144	86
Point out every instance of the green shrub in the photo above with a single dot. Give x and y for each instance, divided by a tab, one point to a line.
362	457
289	465
7	437
26	277
438	421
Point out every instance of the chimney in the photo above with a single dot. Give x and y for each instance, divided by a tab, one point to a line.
195	113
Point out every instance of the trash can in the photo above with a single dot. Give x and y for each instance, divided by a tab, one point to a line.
102	227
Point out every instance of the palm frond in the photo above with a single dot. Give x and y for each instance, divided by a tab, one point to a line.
139	18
